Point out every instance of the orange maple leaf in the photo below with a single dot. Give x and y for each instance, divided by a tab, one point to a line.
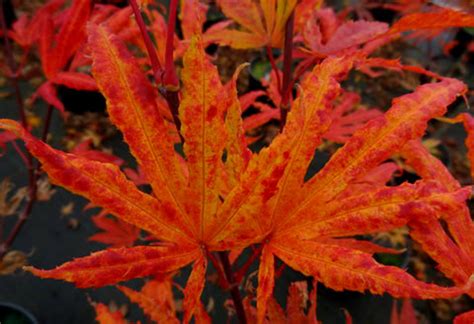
106	316
296	304
156	300
439	19
187	199
210	203
115	232
158	303
305	236
451	248
262	23
324	34
57	48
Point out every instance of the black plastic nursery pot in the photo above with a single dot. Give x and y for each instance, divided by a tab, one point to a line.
14	314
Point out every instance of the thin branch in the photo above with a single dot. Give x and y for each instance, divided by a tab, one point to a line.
13	68
170	78
302	69
279	270
274	67
22	155
220	272
234	291
287	62
163	76
27	156
239	275
33	176
4	247
47	123
32	170
155	62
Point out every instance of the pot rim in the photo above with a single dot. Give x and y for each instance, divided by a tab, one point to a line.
20	309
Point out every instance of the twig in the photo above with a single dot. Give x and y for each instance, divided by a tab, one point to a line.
21	154
234	291
162	76
47	123
33	175
27	158
13	68
4	247
287	62
155	62
220	272
274	67
170	78
239	275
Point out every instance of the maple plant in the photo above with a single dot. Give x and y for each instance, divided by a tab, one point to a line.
212	199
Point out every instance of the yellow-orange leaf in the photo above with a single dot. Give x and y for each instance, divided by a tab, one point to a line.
263	23
194	287
455	263
266	282
427	166
115	265
379	139
382	209
262	180
440	19
238	155
131	103
202	114
104	185
342	268
105	316
309	121
155	299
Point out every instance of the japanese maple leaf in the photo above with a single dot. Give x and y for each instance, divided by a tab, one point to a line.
211	204
262	22
305	222
83	149
465	318
158	303
296	304
346	117
324	34
438	19
5	137
155	299
115	232
451	248
57	49
405	6
24	31
186	196
106	316
193	16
